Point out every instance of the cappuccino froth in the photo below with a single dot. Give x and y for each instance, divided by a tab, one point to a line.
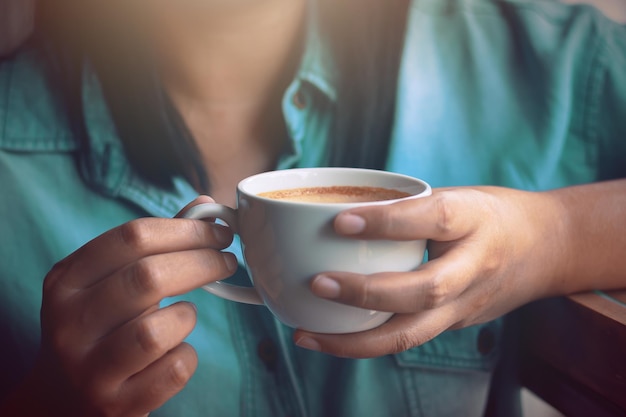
336	194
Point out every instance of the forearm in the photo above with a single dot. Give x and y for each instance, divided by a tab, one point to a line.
592	232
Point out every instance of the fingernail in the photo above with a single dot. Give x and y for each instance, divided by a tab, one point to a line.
326	287
351	224
308	343
231	262
222	235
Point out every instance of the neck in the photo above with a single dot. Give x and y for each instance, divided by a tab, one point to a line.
235	52
225	68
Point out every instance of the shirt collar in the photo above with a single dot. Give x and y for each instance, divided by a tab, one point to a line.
317	66
31	116
30	120
105	166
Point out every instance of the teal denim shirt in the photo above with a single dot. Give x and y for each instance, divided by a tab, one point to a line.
521	93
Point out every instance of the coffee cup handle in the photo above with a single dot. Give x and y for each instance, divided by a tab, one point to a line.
247	295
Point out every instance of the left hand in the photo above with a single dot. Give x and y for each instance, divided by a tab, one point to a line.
491	250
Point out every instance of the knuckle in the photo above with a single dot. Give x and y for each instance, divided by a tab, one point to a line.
390	218
490	266
179	373
52	277
148	337
212	261
437	293
178	369
403	342
136	235
492	259
187	313
444	215
199	230
406	340
366	296
482	301
143	278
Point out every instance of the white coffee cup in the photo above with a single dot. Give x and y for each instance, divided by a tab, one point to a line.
286	244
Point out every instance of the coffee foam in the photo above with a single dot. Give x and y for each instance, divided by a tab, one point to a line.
335	194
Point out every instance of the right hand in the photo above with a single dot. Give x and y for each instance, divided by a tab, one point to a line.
107	348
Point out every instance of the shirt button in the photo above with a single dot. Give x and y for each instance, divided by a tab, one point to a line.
298	100
266	350
486	341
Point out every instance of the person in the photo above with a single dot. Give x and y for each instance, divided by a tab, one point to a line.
115	116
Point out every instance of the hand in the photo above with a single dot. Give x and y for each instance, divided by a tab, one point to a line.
107	348
491	250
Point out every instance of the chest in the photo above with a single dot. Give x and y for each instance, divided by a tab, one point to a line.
486	106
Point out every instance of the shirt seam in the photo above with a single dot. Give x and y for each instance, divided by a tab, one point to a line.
426	360
407	381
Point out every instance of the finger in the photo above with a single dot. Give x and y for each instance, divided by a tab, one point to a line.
141	342
202	199
442	216
143	284
431	286
401	332
135	240
155	385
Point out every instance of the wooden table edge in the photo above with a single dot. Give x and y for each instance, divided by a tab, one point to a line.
608	304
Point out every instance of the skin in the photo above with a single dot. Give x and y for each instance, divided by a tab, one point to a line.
226	65
108	350
492	250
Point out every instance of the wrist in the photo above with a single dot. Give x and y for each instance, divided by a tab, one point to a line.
557	237
540	228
